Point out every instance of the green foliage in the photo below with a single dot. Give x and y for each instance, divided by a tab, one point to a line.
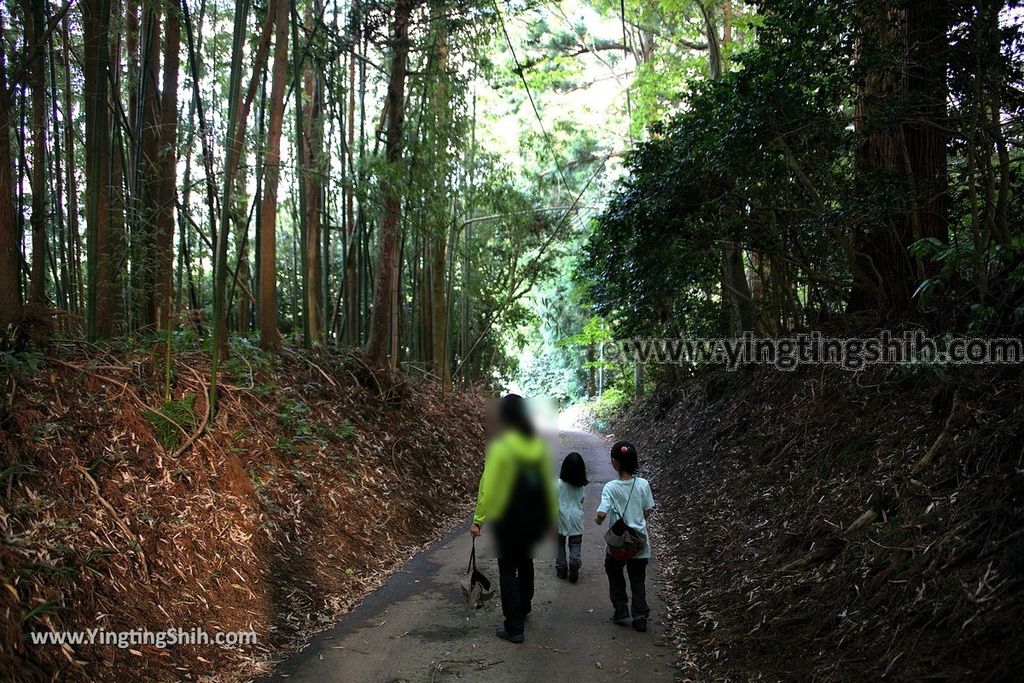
608	407
25	363
266	389
334	433
246	359
547	374
255	472
505	250
171	419
92	557
293	416
595	332
42	609
551	366
769	160
185	339
713	174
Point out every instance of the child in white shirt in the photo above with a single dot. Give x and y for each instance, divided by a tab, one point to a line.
570	484
627	498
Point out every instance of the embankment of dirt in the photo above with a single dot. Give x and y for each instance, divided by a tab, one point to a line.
828	525
317	479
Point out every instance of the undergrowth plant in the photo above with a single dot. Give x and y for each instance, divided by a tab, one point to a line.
171	419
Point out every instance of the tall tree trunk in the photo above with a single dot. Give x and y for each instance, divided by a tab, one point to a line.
270	338
927	126
739	310
243	276
116	166
239	104
74	248
118	211
234	148
438	235
252	272
58	241
196	107
102	289
311	144
240	225
351	250
10	258
905	45
168	166
146	259
385	286
741	314
34	36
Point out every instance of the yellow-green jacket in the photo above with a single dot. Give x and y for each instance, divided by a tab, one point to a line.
504	456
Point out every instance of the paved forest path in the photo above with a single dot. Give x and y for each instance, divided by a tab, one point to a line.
416	627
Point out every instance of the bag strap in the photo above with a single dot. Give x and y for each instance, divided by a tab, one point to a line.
472	558
630	496
622	515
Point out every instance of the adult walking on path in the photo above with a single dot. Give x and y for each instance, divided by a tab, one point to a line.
517	500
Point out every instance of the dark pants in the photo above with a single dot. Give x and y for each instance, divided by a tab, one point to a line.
515	575
575	544
637	571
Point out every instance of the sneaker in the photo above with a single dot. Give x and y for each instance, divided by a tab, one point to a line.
620	616
561	572
574	575
640	625
504	635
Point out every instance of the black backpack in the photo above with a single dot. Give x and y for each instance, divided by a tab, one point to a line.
528	513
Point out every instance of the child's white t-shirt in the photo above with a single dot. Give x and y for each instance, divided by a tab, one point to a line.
614	496
570	509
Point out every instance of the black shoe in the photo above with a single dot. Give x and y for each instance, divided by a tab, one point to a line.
620	617
574	575
561	573
640	625
504	635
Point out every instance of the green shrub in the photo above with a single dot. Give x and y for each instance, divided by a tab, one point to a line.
171	419
20	362
294	417
609	406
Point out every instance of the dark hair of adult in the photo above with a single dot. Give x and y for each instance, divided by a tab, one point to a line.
512	411
624	454
574	470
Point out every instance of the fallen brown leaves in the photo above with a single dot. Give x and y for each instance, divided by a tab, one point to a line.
801	537
318	478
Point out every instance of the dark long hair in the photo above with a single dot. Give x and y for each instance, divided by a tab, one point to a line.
512	411
574	470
